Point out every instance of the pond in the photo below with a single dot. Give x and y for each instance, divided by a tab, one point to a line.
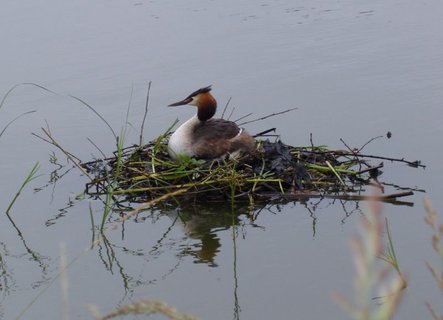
353	69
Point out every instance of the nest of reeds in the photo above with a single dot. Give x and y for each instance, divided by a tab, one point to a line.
276	171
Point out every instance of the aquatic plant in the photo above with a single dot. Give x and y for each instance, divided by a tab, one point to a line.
389	255
29	177
372	282
143	307
371	277
437	245
275	171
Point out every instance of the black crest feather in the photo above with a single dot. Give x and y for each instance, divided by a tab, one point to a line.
201	90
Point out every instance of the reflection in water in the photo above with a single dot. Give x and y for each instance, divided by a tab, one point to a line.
55	176
202	223
114	259
237	308
7	281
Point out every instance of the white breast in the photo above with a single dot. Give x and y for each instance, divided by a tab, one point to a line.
180	142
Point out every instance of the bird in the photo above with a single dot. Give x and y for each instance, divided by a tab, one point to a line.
204	137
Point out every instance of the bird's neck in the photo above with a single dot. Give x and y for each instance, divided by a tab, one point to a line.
187	128
206	108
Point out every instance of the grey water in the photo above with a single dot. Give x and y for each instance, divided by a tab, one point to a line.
353	69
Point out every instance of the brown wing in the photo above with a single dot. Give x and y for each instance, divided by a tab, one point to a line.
217	129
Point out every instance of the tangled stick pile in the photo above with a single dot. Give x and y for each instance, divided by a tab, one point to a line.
277	171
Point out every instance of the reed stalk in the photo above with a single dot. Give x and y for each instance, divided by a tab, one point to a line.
437	245
372	282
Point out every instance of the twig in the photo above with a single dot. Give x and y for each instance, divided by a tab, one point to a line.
97	147
355	197
50	142
245	116
226	106
232	111
125	150
416	163
145	114
41	138
371	168
311	141
268	116
70	157
349	148
149	204
396	186
263	133
370	140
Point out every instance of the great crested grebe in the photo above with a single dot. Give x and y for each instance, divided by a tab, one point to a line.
206	138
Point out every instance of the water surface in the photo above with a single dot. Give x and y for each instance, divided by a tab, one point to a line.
354	69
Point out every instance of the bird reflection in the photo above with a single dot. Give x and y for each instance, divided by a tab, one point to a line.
204	222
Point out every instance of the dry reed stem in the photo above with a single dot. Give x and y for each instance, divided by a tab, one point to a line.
372	281
143	307
437	245
70	157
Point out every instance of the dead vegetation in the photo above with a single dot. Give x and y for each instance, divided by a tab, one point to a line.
278	171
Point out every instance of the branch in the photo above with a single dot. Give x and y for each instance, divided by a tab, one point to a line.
70	156
268	116
414	164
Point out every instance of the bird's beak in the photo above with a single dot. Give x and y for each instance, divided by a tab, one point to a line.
180	103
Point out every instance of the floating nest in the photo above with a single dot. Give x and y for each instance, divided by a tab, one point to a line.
277	171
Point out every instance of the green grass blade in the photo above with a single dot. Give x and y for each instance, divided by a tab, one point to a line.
96	113
31	176
15	119
8	93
